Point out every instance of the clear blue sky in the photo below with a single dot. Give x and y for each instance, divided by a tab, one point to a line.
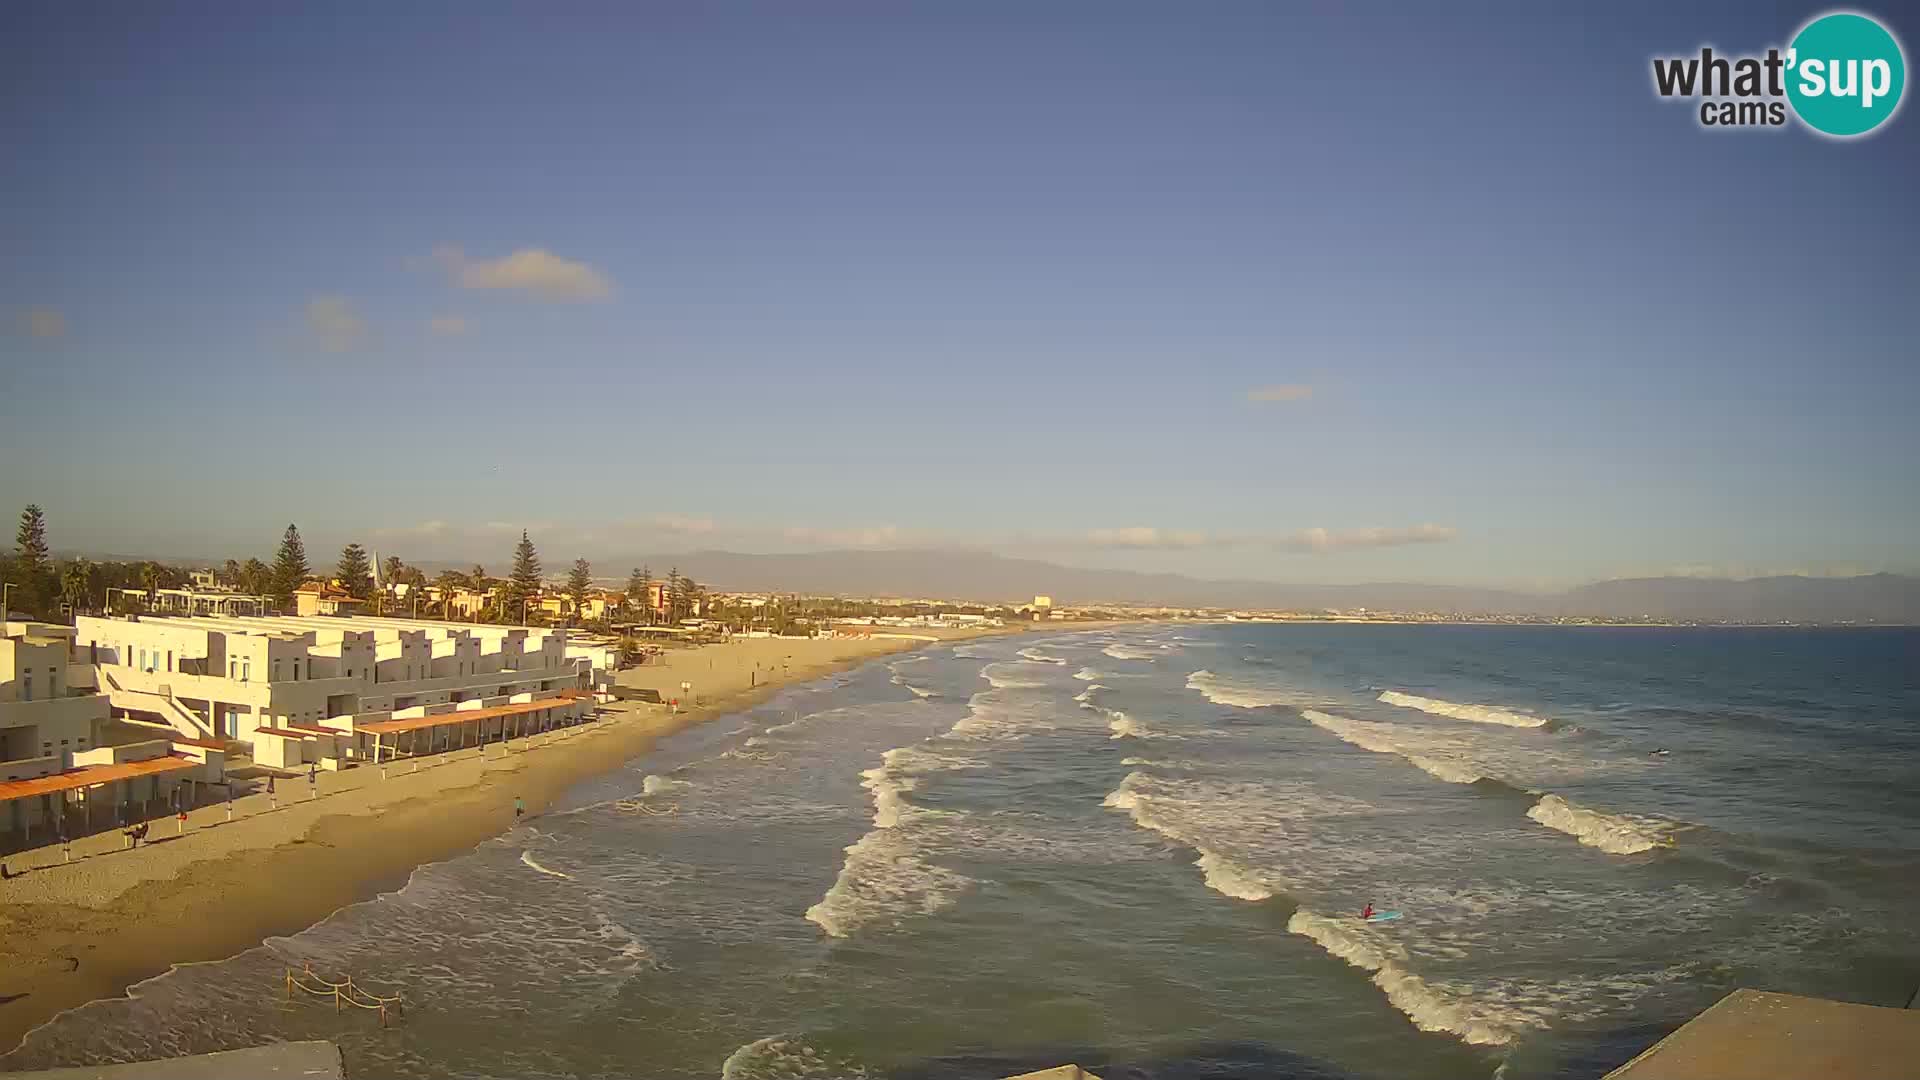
1001	274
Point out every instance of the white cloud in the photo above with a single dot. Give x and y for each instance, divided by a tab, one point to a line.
334	324
43	322
1140	536
531	270
1282	392
447	325
1325	540
877	536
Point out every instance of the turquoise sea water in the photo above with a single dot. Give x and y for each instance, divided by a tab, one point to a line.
1145	850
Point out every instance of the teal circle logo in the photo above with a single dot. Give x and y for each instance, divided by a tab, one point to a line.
1845	74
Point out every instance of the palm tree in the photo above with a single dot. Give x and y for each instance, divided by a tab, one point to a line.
76	583
150	578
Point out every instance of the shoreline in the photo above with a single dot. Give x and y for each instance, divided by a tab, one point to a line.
111	920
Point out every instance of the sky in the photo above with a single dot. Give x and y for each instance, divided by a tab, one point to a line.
1291	292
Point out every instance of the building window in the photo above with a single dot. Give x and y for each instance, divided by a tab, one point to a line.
233	668
246	670
26	688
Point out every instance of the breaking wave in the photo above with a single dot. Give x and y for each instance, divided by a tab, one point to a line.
1039	657
915	690
1479	714
1379	739
1229	878
884	880
1616	834
786	1057
1222	692
1429	1007
1086	674
1130	652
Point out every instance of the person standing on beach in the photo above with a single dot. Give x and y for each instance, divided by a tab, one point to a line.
519	809
273	801
313	781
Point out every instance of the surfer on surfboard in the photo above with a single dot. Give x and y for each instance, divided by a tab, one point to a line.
1366	912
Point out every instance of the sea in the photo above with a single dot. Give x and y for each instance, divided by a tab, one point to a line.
1146	850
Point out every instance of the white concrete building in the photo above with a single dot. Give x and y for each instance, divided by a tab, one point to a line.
61	755
43	721
302	678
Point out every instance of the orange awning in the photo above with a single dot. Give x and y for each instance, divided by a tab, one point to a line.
390	727
89	775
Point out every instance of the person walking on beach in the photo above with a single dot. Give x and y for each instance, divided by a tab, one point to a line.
313	781
273	801
519	809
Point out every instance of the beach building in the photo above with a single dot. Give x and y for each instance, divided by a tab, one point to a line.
43	720
291	685
61	753
324	598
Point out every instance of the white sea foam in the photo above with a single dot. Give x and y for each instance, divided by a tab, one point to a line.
659	785
1431	1008
527	858
1004	676
1129	652
885	879
1039	657
1229	878
1380	738
1124	726
1617	834
1479	714
918	692
1086	674
786	1057
1223	691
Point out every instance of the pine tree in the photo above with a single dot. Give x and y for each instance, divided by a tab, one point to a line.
355	572
579	583
290	567
32	567
524	582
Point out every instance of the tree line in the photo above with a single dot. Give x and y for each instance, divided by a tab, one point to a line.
41	587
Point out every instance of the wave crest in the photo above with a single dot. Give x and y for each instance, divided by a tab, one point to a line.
1479	714
1616	834
1430	1008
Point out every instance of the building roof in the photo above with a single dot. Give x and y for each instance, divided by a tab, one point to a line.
90	775
309	729
461	716
282	733
204	744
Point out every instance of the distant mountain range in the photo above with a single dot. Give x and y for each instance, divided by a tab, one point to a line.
975	575
979	575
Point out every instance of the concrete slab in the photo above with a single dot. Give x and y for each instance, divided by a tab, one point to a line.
280	1061
1751	1033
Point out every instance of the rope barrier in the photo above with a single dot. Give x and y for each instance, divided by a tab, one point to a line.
344	993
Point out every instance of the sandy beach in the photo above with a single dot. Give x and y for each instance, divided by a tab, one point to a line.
71	932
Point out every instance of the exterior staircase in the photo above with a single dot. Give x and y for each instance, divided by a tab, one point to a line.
178	716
